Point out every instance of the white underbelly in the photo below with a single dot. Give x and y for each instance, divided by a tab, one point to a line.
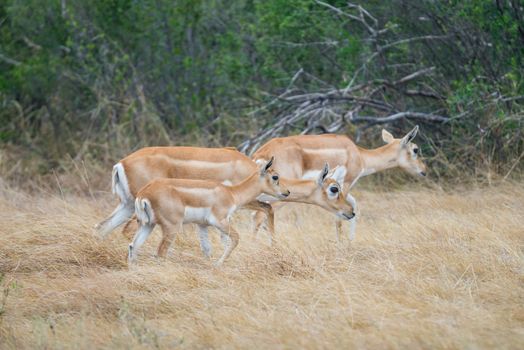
194	215
197	215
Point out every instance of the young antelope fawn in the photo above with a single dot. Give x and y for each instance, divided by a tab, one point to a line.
171	203
326	192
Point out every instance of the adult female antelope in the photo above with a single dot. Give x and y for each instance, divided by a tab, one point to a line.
224	165
173	202
137	169
303	156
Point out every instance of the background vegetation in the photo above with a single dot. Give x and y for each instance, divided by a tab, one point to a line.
82	83
95	80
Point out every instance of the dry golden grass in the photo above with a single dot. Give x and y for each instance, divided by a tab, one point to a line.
428	269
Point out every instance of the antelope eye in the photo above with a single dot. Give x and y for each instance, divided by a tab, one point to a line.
333	189
415	150
275	177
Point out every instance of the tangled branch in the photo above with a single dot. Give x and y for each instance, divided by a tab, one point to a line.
369	102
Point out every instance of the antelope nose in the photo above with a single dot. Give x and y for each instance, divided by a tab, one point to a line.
423	173
287	193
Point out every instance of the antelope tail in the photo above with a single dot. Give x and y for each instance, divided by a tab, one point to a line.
119	183
144	211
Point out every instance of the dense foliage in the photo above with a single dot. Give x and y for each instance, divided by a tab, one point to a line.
100	78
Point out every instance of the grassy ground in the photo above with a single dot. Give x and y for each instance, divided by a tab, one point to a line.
428	269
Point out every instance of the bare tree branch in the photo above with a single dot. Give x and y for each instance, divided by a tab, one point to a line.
409	115
366	103
9	60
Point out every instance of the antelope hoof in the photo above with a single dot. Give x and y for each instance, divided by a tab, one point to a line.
130	255
96	230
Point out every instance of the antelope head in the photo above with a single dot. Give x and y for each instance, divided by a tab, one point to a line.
329	194
408	153
270	180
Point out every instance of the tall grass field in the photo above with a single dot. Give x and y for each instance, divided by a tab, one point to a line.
428	269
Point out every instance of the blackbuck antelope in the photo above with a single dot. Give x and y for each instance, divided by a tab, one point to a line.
171	203
224	165
303	156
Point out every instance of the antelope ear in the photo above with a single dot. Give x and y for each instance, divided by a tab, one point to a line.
386	136
265	167
338	174
323	174
409	136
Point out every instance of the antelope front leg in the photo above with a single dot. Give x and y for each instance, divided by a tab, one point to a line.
205	246
353	222
263	210
352	228
258	219
229	231
338	228
267	209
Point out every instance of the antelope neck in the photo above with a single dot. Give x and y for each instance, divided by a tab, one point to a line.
247	190
299	189
378	159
